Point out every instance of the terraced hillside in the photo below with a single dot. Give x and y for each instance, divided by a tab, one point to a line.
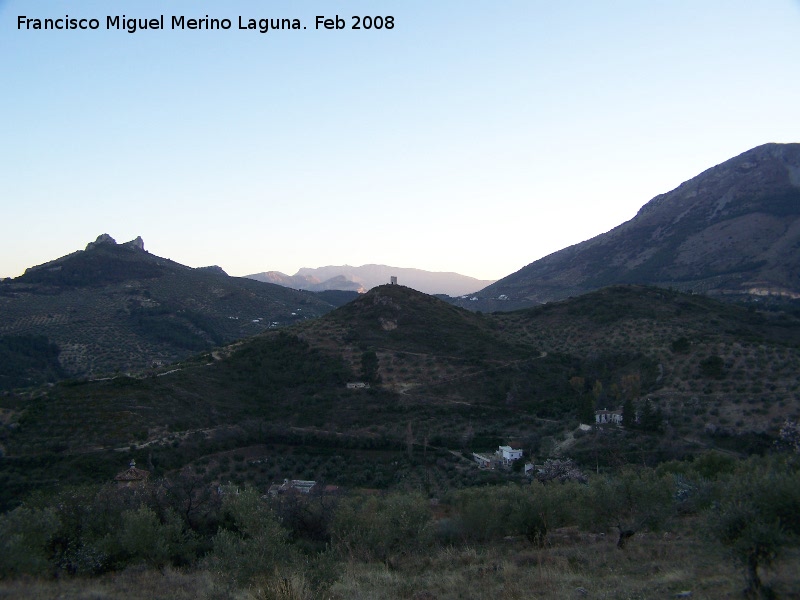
442	382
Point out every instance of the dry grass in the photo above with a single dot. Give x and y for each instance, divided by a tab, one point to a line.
572	565
132	584
653	566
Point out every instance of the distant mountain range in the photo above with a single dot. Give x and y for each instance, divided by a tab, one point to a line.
363	278
118	307
734	230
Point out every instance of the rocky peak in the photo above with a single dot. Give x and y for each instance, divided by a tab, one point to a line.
137	244
101	239
212	269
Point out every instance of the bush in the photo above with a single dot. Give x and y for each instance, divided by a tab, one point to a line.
374	528
251	543
483	514
25	538
713	367
636	497
143	538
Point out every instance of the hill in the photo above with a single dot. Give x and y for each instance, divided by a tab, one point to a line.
732	231
441	380
116	307
366	277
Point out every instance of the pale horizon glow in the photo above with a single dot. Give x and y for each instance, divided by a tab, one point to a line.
474	137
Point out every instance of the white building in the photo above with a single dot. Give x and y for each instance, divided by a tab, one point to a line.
357	385
608	416
295	485
509	454
484	462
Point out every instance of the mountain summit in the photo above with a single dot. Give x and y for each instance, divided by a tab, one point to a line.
733	230
117	307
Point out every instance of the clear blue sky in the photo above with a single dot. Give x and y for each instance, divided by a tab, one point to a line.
473	137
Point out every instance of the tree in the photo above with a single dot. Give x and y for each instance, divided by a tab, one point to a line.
587	409
628	413
578	384
631	386
597	390
561	470
252	544
651	419
26	535
713	367
369	366
789	437
375	528
758	518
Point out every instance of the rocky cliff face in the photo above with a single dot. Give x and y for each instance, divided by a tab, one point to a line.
733	229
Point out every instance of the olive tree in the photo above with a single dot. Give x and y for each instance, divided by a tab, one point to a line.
758	518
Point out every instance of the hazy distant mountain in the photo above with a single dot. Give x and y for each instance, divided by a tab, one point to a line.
118	307
366	277
732	230
304	282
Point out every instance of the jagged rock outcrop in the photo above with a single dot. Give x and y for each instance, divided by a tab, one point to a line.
137	244
103	238
214	269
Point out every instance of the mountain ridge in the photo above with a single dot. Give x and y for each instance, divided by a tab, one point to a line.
368	276
116	307
733	230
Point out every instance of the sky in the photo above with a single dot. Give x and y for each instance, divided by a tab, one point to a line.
472	136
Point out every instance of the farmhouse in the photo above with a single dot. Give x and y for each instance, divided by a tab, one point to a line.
132	477
357	385
300	486
608	416
484	462
507	454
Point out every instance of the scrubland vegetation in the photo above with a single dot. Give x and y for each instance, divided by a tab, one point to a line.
713	526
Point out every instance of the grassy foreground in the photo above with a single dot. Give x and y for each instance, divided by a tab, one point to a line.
573	564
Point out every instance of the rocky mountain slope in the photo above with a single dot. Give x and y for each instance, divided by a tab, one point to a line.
366	277
116	307
734	230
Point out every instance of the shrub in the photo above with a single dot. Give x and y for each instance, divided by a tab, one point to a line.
143	538
374	528
489	513
251	543
635	496
25	538
713	367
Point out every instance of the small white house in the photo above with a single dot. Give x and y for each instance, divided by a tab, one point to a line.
509	454
357	385
484	462
295	485
608	416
